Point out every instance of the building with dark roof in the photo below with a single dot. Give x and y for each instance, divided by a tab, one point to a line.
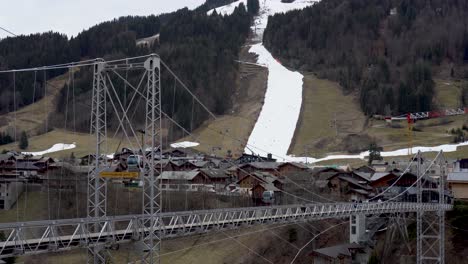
342	254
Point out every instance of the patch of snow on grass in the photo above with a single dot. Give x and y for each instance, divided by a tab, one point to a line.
185	144
55	148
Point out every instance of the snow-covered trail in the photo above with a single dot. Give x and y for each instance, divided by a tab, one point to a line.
276	124
274	129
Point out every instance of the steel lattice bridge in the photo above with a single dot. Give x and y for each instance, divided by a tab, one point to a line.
99	232
67	234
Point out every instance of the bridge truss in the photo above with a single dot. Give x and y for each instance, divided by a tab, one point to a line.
63	235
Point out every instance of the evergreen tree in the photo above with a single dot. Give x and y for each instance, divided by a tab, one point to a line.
253	6
342	40
374	153
23	143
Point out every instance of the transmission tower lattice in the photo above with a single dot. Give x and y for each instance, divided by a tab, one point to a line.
97	186
431	225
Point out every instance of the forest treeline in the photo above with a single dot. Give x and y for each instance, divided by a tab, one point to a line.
200	48
386	50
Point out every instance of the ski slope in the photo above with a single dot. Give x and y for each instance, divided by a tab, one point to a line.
274	129
275	126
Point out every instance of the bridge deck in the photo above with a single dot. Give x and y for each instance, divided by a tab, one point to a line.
27	238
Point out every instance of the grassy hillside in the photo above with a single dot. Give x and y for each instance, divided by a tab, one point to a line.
84	143
32	118
324	101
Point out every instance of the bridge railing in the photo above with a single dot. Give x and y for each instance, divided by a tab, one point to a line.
59	235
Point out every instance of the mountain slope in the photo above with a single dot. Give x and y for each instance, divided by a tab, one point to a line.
386	51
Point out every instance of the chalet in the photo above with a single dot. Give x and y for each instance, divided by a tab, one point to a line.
362	177
324	173
217	177
246	169
382	179
90	158
176	153
167	165
379	165
291	167
251	180
193	165
461	165
221	164
7	161
248	158
259	188
183	177
458	183
343	254
354	189
399	183
365	169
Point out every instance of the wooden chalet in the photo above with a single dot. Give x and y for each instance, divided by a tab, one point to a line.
183	177
249	181
365	169
343	254
246	169
291	167
216	176
249	158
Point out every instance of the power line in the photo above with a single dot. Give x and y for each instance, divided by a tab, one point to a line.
8	31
